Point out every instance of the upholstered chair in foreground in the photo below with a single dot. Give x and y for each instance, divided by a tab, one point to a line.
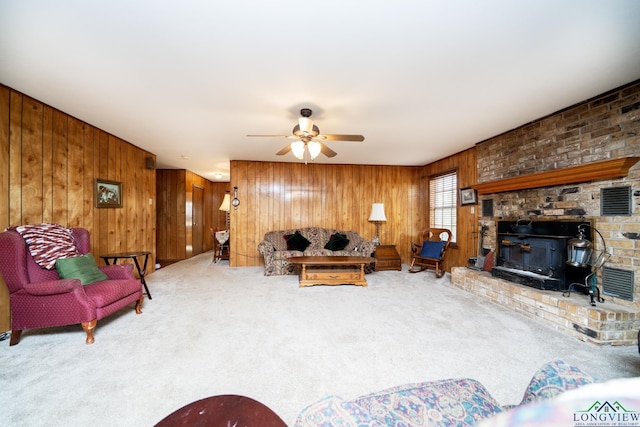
41	299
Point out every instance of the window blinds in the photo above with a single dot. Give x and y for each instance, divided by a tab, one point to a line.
443	202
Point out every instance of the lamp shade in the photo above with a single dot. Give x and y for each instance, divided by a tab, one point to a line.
377	212
298	149
314	149
226	203
306	124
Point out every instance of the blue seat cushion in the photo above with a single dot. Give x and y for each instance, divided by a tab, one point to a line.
431	249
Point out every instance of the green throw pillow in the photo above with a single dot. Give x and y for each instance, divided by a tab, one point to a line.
296	242
337	242
80	267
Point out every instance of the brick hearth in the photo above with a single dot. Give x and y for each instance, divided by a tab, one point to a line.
605	324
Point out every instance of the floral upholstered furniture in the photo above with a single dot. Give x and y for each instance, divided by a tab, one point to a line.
611	403
65	287
450	402
277	246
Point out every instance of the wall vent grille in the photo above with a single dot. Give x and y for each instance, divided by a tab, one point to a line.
617	283
615	201
487	207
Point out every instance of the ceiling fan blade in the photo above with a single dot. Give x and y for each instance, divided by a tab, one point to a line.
284	150
276	136
272	136
326	150
355	138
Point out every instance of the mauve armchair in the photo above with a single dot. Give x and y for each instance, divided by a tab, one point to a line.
40	299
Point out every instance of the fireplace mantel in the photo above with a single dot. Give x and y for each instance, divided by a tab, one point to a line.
607	169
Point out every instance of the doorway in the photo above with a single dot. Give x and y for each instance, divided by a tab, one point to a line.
198	219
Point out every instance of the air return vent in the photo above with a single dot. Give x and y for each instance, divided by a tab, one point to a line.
487	207
617	283
615	201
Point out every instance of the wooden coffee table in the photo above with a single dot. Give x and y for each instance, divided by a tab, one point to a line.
332	270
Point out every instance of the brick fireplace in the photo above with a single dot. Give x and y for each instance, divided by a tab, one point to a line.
605	324
553	169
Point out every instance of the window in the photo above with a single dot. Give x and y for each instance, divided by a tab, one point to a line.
443	202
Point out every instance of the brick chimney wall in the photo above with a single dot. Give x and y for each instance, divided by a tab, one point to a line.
602	128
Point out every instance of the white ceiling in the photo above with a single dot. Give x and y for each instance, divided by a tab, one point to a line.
419	79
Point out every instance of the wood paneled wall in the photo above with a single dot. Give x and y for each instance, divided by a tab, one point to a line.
48	165
171	237
276	196
465	164
50	160
175	197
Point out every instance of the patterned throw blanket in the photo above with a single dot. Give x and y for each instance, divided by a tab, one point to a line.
48	242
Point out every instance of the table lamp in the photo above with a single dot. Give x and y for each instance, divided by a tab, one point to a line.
377	217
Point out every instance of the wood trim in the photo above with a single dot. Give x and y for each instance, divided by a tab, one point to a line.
607	169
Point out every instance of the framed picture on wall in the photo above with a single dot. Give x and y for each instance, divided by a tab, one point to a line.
468	196
108	194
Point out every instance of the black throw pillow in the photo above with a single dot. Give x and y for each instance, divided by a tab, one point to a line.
296	242
337	242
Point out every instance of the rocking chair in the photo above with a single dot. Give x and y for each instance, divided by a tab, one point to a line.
430	251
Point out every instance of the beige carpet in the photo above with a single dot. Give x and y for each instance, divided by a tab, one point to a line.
211	329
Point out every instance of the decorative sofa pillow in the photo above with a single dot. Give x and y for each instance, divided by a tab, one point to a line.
296	242
81	267
337	242
431	249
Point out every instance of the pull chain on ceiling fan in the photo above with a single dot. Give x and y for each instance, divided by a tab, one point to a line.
308	139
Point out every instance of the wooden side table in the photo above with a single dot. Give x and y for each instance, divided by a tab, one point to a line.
134	256
388	258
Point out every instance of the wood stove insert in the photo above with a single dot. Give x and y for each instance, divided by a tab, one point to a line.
534	253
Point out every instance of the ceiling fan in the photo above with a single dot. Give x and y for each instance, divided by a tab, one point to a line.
309	139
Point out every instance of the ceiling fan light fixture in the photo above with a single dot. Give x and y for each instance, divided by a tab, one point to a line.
297	147
306	124
314	149
308	143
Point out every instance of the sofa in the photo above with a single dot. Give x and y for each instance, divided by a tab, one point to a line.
279	245
449	402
